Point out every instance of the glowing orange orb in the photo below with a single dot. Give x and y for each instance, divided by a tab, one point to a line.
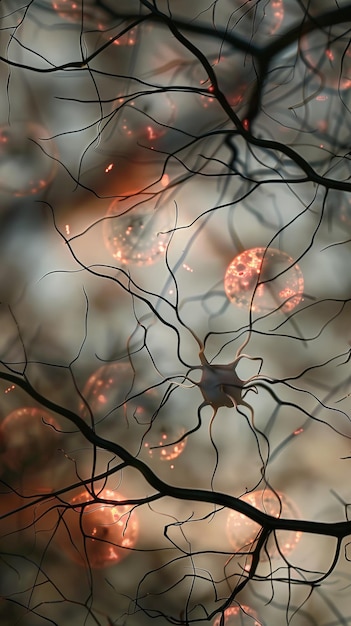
242	532
148	119
99	535
105	390
138	235
264	279
28	438
238	616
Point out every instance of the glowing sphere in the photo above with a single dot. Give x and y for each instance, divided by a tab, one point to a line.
25	168
137	235
98	535
328	52
146	119
264	279
238	616
105	390
159	440
242	532
108	393
28	439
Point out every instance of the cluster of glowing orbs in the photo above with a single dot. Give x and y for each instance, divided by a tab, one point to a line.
264	279
29	437
76	11
243	532
129	38
26	166
327	53
164	442
137	235
98	535
275	13
238	616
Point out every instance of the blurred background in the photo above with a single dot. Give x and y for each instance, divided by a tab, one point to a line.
129	185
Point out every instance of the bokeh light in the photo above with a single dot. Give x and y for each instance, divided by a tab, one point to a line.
146	119
162	441
137	235
238	616
98	535
76	11
105	391
264	279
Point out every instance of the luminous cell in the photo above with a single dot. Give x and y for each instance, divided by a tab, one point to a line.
238	616
264	279
98	534
147	119
105	390
29	437
26	163
242	532
137	235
